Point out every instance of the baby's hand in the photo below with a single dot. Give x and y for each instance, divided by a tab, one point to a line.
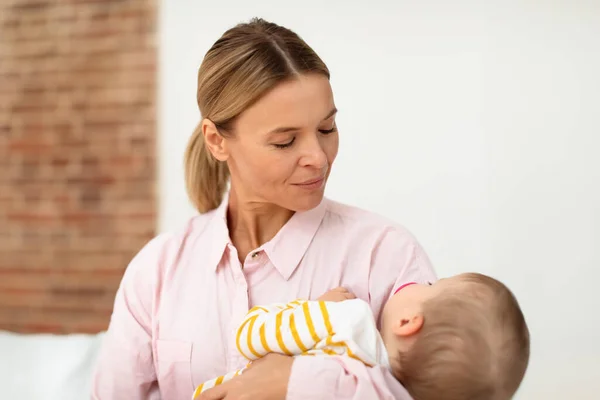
337	294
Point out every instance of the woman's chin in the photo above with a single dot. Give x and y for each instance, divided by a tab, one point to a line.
306	202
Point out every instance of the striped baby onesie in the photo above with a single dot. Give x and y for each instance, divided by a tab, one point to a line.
302	327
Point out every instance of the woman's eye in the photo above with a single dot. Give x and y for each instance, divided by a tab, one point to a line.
288	144
284	145
328	131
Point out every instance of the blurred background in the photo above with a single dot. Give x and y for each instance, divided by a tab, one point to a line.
77	157
475	124
78	184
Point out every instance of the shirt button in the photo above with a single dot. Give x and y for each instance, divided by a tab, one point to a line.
254	255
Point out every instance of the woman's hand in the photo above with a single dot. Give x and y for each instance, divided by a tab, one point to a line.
265	379
337	294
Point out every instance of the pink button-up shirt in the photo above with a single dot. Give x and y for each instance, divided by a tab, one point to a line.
185	293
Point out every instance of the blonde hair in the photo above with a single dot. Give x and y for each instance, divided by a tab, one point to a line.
474	345
243	65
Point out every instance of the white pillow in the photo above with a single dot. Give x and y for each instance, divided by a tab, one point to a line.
45	366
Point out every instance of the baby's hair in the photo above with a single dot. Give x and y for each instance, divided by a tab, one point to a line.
474	344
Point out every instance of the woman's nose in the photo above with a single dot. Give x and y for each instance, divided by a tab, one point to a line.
314	155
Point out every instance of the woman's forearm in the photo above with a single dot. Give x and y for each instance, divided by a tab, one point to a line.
341	378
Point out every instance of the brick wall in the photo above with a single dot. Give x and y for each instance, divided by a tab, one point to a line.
77	157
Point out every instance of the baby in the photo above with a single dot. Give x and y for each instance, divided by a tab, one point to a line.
463	337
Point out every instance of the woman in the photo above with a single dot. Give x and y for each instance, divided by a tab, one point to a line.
269	130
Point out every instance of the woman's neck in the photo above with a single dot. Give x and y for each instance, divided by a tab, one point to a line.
253	223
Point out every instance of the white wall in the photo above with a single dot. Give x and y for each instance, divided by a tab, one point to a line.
474	125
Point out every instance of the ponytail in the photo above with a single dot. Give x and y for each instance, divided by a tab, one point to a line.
206	178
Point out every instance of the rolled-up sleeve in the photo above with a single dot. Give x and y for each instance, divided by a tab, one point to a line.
396	258
125	368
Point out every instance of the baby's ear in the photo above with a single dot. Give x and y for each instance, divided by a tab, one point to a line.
408	324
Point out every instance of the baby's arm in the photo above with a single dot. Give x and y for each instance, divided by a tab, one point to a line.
272	329
291	329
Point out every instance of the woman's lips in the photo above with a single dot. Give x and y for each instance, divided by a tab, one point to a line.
312	183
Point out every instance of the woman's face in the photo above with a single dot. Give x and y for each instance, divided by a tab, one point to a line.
283	146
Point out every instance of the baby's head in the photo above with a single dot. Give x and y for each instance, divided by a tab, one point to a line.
463	337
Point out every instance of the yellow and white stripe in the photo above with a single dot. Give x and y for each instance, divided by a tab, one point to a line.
290	329
215	382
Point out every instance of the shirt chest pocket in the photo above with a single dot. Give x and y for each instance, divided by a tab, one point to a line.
174	375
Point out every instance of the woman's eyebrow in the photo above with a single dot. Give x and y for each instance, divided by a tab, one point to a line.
283	129
331	113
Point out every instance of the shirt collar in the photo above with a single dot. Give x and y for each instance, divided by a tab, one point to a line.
289	246
285	250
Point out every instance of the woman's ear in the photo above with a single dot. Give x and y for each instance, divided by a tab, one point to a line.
214	141
408	325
